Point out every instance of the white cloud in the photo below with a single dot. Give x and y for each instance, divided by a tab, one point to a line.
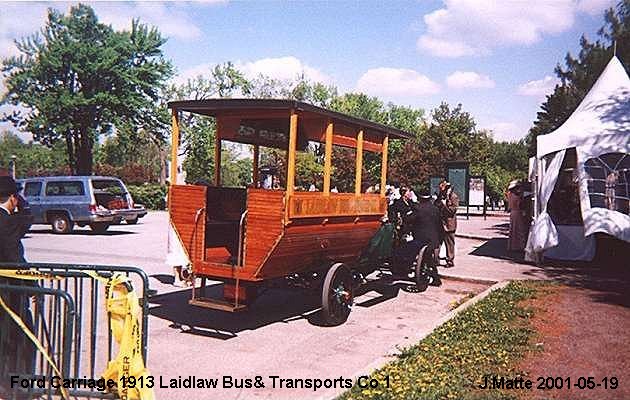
396	82
282	68
473	27
506	131
172	21
18	20
595	7
538	88
446	48
193	72
285	69
468	80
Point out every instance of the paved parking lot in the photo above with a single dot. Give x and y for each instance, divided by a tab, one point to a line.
280	335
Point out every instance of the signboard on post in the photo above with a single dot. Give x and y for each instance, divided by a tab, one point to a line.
477	192
434	184
457	174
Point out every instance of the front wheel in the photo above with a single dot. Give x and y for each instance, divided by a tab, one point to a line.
337	294
132	221
422	268
99	227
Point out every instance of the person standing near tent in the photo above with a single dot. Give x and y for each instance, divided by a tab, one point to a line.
518	227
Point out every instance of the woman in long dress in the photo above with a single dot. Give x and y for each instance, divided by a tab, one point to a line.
517	238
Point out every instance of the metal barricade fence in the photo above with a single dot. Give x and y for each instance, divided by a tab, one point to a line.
70	320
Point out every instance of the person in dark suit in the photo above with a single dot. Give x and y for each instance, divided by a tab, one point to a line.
13	226
400	210
11	231
427	229
425	224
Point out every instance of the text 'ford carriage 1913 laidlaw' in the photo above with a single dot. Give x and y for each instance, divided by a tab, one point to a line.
250	237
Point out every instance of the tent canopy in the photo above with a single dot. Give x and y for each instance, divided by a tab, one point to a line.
603	117
599	130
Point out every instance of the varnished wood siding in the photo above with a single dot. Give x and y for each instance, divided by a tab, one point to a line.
314	204
187	211
265	225
320	230
304	246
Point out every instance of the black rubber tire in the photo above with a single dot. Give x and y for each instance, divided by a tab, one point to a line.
99	227
421	269
61	223
132	221
337	295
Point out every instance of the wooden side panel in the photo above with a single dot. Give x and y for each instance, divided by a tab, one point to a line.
187	211
312	243
312	204
265	225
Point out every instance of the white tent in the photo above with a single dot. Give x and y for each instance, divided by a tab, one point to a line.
599	127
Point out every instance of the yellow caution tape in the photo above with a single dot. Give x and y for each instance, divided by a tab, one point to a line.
29	274
123	308
38	344
124	313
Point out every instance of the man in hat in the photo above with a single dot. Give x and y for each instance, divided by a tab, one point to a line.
447	202
12	227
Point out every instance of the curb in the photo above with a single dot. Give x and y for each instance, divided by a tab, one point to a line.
394	351
476	237
470	279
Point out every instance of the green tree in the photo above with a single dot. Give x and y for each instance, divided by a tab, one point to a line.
199	132
79	77
32	159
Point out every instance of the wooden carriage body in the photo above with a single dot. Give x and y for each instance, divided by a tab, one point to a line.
244	236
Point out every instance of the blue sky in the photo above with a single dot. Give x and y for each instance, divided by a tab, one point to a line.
494	57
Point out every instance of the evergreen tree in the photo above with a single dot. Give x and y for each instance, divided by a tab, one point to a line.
78	77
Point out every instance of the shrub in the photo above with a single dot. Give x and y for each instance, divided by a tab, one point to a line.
132	173
151	195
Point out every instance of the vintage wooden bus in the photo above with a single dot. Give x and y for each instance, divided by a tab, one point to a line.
249	237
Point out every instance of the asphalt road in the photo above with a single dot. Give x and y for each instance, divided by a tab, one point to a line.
281	334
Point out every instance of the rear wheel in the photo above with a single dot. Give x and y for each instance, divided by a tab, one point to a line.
61	223
132	221
337	294
99	227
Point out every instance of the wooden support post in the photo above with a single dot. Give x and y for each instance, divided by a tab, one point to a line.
217	155
384	165
291	153
359	171
255	165
328	157
174	147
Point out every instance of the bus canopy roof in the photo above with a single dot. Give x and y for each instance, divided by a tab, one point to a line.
266	122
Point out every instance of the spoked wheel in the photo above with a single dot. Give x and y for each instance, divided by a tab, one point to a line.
422	268
337	294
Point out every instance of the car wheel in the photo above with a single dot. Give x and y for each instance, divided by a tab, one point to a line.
132	221
61	223
99	227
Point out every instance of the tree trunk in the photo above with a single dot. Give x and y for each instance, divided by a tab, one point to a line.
84	153
71	153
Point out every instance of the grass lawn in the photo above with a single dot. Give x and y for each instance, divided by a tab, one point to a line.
488	338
